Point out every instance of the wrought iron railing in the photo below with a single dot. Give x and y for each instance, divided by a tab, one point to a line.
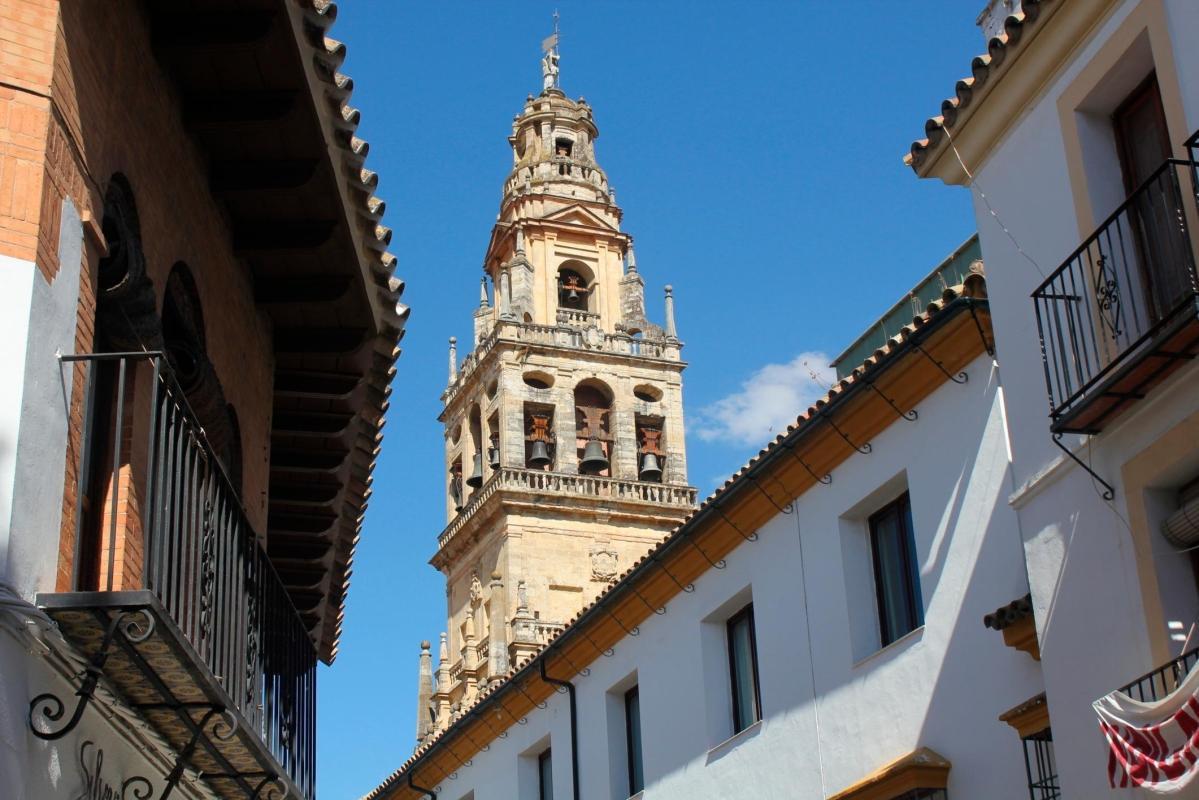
1155	685
1123	286
202	559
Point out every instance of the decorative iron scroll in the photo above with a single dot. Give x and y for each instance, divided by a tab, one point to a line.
1107	297
50	708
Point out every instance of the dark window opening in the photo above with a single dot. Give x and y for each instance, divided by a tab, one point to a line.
896	577
1041	766
563	147
545	776
632	728
743	669
572	290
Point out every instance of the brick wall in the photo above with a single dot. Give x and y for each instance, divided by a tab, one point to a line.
81	98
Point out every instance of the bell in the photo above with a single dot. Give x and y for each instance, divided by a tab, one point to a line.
493	456
539	457
594	459
572	295
651	470
476	478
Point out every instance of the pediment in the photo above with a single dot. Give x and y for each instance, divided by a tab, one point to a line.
580	215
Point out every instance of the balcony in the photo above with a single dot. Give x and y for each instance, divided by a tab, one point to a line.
1155	685
196	632
578	319
1121	314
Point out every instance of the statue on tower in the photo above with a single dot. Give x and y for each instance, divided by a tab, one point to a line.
549	62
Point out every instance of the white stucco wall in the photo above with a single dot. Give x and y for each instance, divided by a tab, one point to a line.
942	686
1087	593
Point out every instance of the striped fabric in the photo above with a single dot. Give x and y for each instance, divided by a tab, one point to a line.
1153	746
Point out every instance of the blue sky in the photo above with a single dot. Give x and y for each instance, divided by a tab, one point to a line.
755	149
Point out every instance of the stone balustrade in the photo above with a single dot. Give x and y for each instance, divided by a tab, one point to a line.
578	319
563	335
560	484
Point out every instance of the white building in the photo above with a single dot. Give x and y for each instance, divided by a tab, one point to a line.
1074	134
814	630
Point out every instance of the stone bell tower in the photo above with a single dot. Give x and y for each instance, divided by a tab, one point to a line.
564	452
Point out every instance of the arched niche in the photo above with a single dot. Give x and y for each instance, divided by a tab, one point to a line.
593	427
576	286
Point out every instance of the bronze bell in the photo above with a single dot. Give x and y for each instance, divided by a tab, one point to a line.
572	295
493	455
476	477
539	456
594	459
651	470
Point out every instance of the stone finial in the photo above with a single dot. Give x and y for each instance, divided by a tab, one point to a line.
453	358
442	720
483	293
632	258
424	693
671	332
520	241
505	293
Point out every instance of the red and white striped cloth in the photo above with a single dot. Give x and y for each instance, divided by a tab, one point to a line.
1153	746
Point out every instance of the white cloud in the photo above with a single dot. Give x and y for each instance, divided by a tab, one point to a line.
768	402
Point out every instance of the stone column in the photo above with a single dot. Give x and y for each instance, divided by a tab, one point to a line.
624	429
671	333
470	658
497	644
505	293
565	458
453	358
424	693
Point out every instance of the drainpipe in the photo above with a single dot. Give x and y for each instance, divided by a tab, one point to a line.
412	785
574	727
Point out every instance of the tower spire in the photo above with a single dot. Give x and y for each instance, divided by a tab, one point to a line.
549	61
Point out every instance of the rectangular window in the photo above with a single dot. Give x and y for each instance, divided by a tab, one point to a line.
632	729
743	669
896	578
545	776
1042	769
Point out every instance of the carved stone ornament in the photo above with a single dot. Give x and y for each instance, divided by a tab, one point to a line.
476	590
605	565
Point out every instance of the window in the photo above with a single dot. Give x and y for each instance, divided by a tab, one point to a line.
896	580
632	729
743	669
545	776
1042	769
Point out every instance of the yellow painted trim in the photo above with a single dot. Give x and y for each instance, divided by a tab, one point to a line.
1031	716
1147	18
1022	635
921	769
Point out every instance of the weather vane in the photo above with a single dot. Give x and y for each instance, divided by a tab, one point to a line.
549	62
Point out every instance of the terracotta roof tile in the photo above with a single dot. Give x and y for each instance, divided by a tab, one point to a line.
983	69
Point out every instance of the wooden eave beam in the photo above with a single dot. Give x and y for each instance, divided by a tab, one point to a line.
259	174
308	289
216	28
287	235
318	341
237	107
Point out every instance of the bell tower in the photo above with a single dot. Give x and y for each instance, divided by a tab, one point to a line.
564	453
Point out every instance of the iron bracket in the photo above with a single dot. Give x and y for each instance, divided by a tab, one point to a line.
864	449
1109	493
910	416
51	707
826	480
961	377
787	509
412	784
990	348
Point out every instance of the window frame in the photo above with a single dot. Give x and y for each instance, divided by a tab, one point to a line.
746	615
636	764
901	508
1041	765
545	775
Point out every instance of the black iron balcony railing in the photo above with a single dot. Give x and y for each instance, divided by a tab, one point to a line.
1155	685
223	634
1120	313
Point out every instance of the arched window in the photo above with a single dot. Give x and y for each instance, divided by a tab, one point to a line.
576	285
593	429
